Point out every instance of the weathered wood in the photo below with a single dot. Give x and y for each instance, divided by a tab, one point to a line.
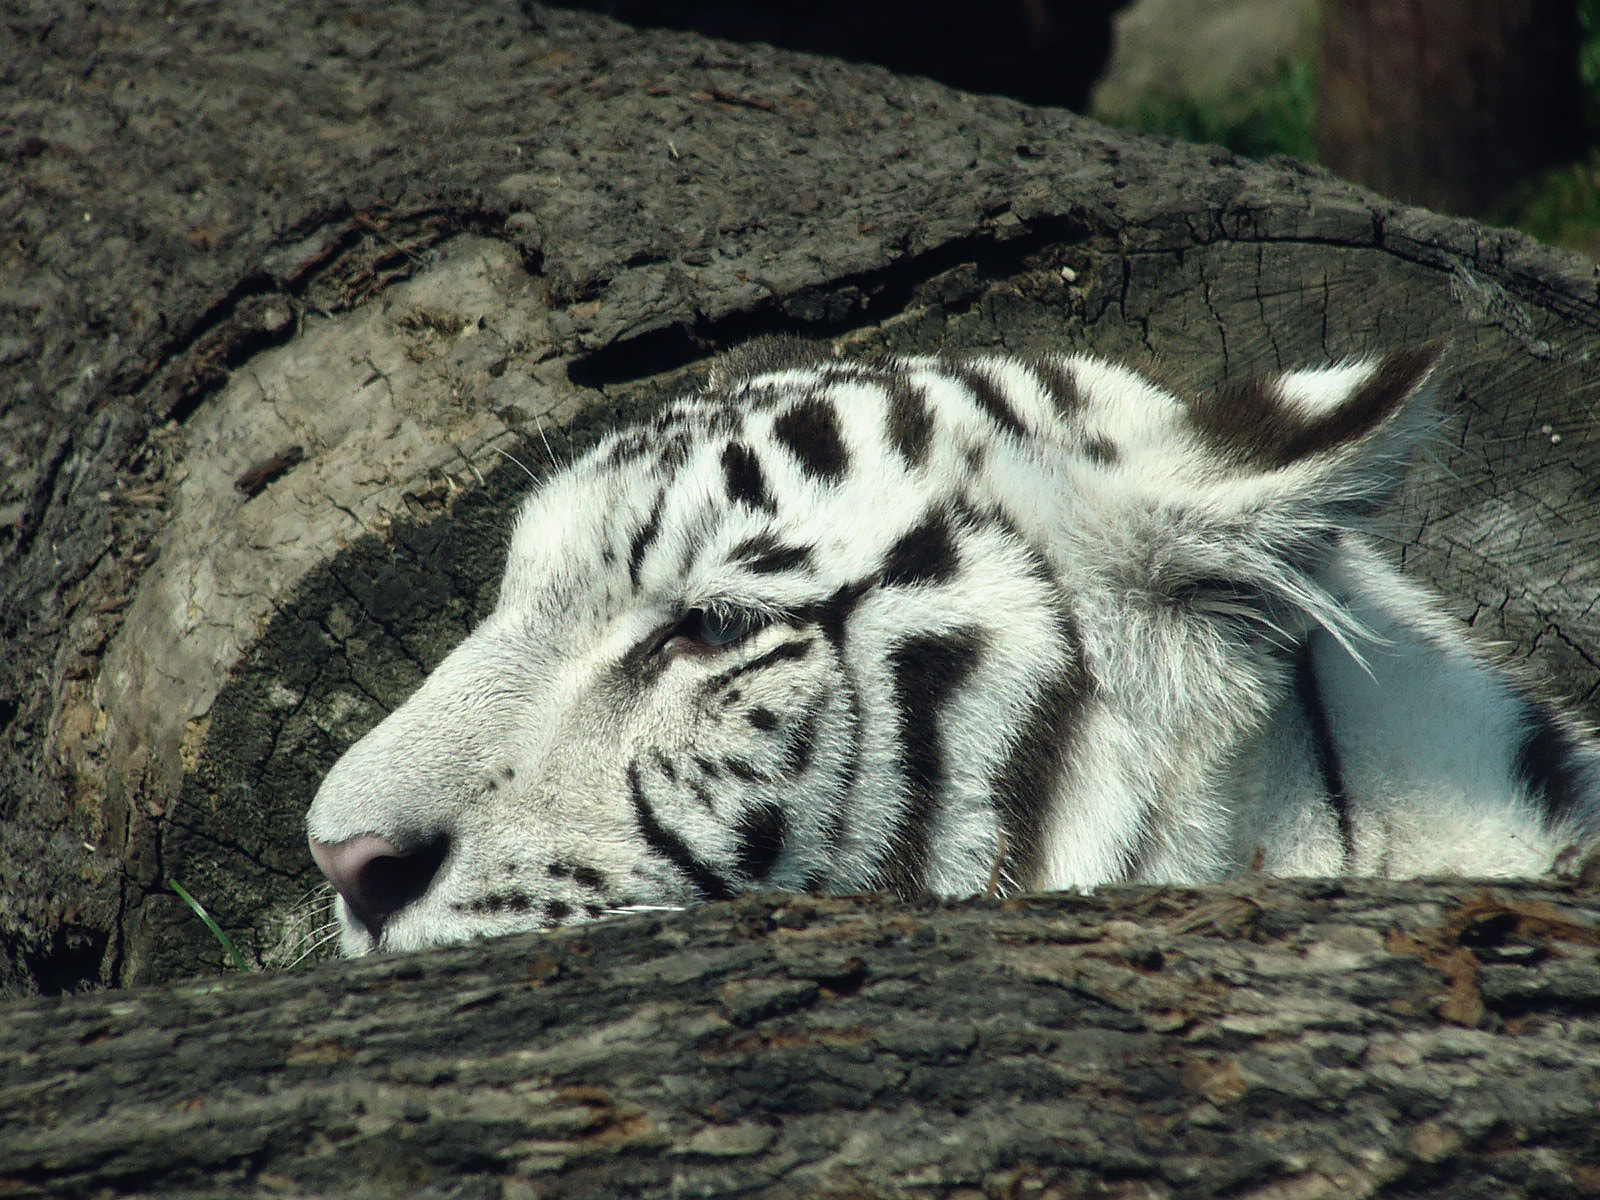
1264	1039
286	286
281	284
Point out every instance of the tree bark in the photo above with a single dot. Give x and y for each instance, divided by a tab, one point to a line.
287	289
1264	1039
282	287
1448	103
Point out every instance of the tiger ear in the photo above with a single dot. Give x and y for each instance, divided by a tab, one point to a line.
1286	464
1239	496
1355	410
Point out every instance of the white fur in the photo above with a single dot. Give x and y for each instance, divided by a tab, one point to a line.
1121	561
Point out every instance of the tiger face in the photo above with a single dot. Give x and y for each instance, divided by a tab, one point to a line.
922	625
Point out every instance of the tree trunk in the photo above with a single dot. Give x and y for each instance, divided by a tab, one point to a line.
1448	103
281	288
287	290
1265	1039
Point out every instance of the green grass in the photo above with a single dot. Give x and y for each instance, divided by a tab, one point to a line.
216	930
1279	118
1561	206
1589	57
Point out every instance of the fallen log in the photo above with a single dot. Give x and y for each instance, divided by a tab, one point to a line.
261	397
1266	1038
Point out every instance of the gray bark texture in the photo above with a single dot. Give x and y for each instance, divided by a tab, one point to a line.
280	289
1265	1039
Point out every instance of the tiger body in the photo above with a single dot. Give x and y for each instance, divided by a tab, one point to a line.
952	626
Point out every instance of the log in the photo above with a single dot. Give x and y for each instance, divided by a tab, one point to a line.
1260	1039
289	292
284	286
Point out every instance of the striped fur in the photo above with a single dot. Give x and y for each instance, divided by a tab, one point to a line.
952	626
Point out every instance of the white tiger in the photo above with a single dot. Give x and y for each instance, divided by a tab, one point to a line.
952	625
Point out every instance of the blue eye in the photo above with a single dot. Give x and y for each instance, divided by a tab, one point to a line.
712	628
707	630
720	629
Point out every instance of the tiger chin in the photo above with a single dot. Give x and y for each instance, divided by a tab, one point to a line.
952	625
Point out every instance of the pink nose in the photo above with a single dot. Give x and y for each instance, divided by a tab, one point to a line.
378	877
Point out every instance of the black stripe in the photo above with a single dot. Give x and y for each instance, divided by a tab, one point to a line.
781	653
1058	383
672	419
642	662
741	471
514	901
766	555
810	431
698	791
833	839
1248	423
1397	377
1024	787
743	771
673	452
641	541
670	847
761	833
780	558
1310	697
1549	763
1100	451
910	425
628	446
802	744
831	615
926	671
926	553
989	397
1252	425
786	652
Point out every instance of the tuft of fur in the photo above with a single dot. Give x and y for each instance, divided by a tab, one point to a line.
957	625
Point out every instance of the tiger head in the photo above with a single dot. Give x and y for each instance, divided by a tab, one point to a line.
921	625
